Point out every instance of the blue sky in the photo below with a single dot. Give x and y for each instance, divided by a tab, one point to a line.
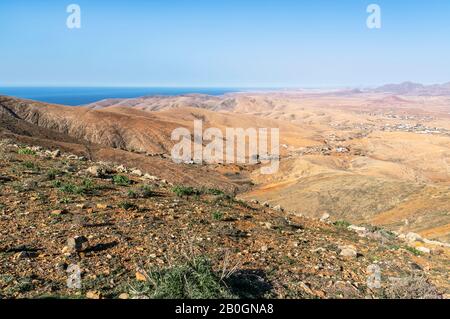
276	43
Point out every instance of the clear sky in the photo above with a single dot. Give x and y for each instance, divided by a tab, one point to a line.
225	43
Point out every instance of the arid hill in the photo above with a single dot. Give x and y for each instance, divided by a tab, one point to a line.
74	228
362	157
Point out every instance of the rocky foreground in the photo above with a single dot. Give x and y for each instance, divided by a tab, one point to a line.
119	226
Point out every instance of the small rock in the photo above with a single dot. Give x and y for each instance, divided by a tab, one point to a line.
413	237
306	288
137	172
357	228
96	171
93	294
102	206
361	231
324	217
264	248
266	204
268	225
150	177
348	251
58	212
55	154
278	208
82	206
121	169
78	243
26	255
254	201
124	296
140	276
424	249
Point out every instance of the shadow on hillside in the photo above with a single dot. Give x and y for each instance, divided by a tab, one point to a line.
101	247
249	284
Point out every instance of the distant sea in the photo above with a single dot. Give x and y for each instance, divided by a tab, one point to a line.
75	96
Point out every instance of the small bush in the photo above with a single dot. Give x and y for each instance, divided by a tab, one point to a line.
86	187
141	192
52	173
127	206
132	194
413	250
213	191
121	180
185	191
26	151
69	188
412	287
65	200
217	215
193	279
341	224
57	184
146	191
30	165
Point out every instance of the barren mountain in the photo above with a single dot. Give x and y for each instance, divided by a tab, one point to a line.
367	158
410	88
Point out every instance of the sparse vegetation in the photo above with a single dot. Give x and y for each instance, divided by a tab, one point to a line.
214	191
127	205
87	187
341	224
185	191
30	165
217	221
121	180
144	191
52	174
413	250
411	287
26	151
194	279
217	215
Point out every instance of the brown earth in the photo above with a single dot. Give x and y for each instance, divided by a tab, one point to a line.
47	199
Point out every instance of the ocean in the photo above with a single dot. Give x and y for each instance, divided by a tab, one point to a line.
75	96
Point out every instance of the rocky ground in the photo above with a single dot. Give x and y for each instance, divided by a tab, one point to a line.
60	211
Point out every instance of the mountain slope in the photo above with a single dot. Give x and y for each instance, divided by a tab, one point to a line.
125	229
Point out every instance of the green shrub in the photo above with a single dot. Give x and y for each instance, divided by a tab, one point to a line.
185	191
193	279
52	173
26	151
127	205
121	180
413	250
86	187
132	194
69	188
30	165
213	191
341	224
217	215
144	191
